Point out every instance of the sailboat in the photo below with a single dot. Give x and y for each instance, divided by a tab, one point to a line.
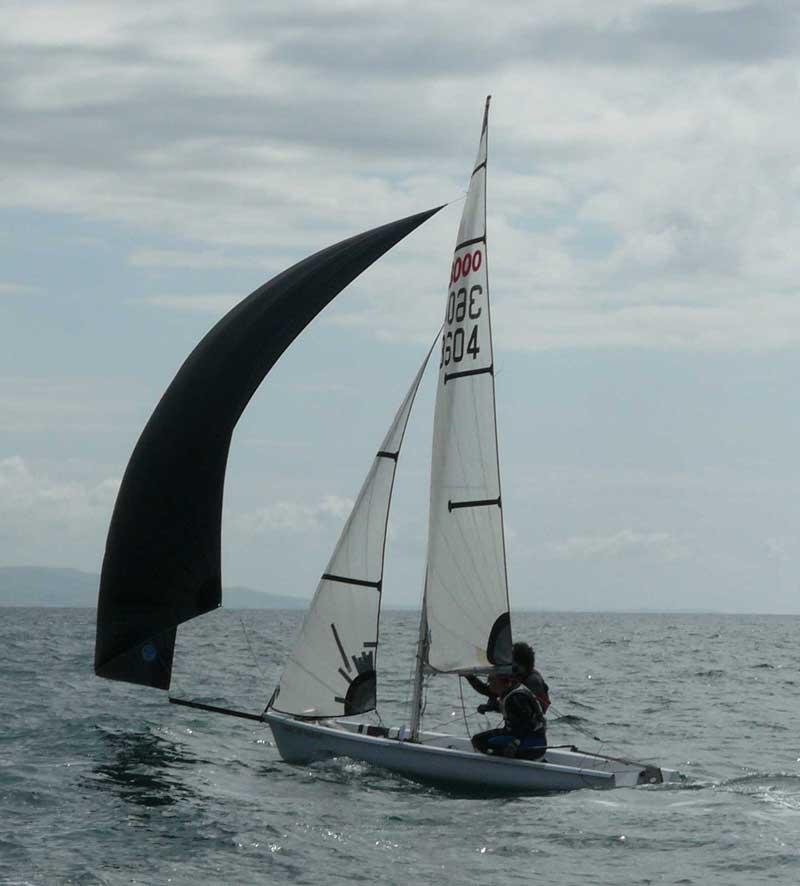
162	561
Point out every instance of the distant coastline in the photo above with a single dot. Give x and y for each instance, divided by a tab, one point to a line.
53	587
46	586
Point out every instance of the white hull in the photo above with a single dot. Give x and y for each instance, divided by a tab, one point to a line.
450	760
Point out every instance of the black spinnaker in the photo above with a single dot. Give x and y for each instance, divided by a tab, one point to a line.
162	562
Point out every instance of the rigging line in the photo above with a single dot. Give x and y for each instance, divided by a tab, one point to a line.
443	722
409	686
619	759
559	713
417	659
463	706
316	677
424	707
252	651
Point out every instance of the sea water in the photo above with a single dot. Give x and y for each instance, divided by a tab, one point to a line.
104	783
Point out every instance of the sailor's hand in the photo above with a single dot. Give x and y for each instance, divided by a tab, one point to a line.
484	708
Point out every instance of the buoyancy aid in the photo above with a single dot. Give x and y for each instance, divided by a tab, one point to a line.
522	711
535	682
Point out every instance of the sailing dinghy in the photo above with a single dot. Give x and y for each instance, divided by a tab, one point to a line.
162	562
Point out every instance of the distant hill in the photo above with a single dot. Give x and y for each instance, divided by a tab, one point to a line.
40	586
44	586
247	598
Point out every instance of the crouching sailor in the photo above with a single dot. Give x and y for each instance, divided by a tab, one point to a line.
524	731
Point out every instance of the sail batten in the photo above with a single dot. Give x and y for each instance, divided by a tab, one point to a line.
162	563
466	591
332	670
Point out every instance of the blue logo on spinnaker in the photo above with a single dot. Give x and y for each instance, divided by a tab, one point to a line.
149	652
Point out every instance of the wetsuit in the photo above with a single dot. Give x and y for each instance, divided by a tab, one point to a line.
524	731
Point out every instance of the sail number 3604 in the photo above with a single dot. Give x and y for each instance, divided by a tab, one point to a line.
456	343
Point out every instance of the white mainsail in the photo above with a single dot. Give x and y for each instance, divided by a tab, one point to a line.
466	591
331	672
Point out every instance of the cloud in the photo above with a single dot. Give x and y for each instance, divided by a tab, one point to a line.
291	516
779	549
195	304
175	258
269	443
644	188
46	404
701	33
625	543
644	192
17	289
34	505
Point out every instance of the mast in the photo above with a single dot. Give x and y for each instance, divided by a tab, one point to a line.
419	673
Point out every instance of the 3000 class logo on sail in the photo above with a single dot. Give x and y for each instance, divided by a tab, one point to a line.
464	309
361	689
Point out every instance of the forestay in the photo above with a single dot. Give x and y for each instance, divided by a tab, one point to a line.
332	669
466	593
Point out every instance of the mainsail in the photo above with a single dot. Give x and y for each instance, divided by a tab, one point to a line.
162	561
331	672
466	590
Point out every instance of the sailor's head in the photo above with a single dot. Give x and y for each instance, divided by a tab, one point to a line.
523	659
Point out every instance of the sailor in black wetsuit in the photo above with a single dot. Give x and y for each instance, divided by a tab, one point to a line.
524	731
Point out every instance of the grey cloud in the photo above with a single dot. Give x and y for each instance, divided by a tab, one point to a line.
17	289
194	304
625	543
395	46
750	33
304	145
175	258
389	52
291	516
159	102
47	404
671	33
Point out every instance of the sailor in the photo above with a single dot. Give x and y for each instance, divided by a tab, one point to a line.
524	665
524	731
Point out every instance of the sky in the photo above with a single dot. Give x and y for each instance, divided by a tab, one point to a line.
162	160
